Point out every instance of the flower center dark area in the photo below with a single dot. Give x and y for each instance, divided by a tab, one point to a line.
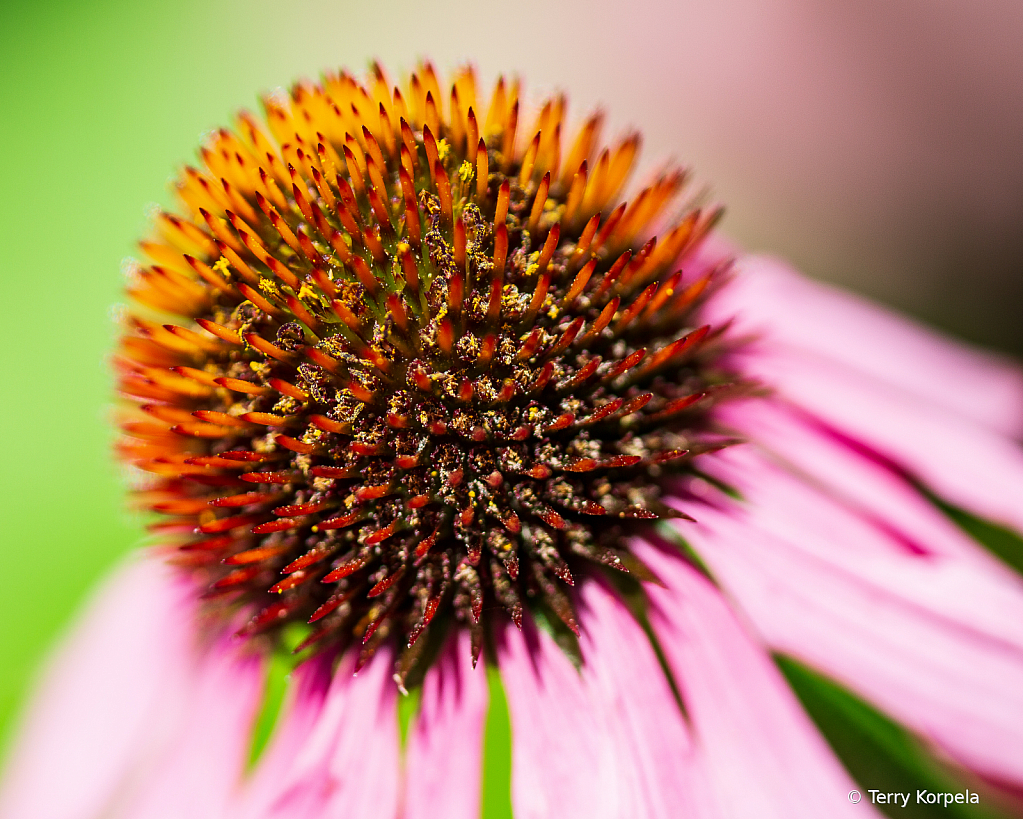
416	370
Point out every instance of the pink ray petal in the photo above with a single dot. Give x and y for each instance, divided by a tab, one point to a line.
859	483
201	772
348	763
933	408
307	690
609	739
963	586
444	755
763	755
562	764
932	639
837	327
659	770
963	463
961	460
109	701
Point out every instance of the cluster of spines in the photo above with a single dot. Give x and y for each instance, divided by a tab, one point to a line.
350	305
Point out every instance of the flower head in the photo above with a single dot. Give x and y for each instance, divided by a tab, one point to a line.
412	373
422	364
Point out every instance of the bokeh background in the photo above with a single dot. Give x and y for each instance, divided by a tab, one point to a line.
875	144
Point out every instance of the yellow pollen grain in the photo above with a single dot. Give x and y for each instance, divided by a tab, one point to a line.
223	266
443	150
465	172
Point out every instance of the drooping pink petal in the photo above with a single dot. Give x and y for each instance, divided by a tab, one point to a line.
859	483
561	762
201	772
837	327
763	755
968	465
444	755
581	739
878	525
110	700
932	638
659	772
610	740
934	409
348	763
308	687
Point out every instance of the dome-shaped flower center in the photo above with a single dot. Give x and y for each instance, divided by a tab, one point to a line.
422	364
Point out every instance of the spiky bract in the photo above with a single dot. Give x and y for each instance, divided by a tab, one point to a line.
418	365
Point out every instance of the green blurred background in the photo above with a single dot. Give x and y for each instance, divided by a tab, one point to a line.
878	147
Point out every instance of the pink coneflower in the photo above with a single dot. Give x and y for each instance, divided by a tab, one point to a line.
413	393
